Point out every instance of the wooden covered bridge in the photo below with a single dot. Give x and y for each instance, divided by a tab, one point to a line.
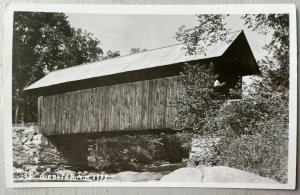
133	92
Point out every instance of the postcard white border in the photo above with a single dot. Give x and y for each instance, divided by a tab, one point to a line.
149	9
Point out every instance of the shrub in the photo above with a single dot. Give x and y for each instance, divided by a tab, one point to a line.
252	133
255	136
129	152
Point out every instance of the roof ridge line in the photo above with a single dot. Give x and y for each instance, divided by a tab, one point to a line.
89	63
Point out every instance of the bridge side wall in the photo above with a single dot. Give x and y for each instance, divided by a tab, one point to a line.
143	105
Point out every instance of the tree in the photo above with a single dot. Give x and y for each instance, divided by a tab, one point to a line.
210	29
111	54
276	64
44	42
135	50
253	132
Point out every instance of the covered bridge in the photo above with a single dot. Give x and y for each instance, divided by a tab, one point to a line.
133	92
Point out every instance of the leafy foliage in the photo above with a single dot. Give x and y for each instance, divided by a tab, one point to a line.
276	64
197	80
211	28
130	152
253	132
111	54
44	42
135	50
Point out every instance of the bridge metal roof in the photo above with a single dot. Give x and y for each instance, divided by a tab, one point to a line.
149	59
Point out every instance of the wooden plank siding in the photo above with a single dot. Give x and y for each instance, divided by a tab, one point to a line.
142	105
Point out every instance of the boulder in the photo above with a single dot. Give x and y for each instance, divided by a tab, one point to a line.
222	174
39	169
131	176
187	174
217	174
65	172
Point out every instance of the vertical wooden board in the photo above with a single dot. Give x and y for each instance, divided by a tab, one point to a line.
75	112
40	107
154	101
55	112
95	122
146	101
175	95
46	113
86	111
114	114
164	103
169	99
59	113
91	113
139	105
110	108
127	115
125	107
97	114
61	121
43	118
74	121
69	129
100	109
144	108
105	105
66	110
160	108
117	108
152	86
133	107
39	111
122	103
51	115
131	97
109	111
63	112
156	108
79	114
71	112
48	116
81	111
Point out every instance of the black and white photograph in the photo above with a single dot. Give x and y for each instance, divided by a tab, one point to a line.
172	96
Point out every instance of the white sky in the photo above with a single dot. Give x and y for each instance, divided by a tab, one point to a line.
122	32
